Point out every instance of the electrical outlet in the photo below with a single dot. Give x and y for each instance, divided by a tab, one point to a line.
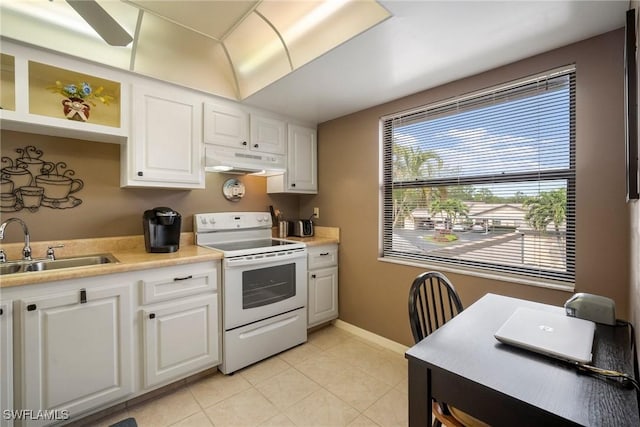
316	213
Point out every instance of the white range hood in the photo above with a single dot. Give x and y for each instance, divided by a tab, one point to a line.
231	160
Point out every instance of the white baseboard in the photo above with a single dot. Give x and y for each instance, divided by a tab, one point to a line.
377	339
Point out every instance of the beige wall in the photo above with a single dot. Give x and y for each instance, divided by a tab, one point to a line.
373	294
107	209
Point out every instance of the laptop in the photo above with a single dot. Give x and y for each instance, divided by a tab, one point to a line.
552	334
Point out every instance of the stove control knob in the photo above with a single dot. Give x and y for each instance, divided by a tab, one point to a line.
212	221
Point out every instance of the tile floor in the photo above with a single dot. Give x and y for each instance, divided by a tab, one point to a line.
335	379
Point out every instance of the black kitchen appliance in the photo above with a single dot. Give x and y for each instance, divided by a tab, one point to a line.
161	230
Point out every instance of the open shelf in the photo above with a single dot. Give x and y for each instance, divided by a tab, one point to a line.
8	82
45	102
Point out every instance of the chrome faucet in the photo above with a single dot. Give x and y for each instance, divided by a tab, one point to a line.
26	251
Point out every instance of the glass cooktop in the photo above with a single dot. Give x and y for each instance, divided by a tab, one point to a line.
249	244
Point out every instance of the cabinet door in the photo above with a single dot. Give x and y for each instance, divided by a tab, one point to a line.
268	135
224	125
165	148
180	338
302	162
323	295
76	349
6	362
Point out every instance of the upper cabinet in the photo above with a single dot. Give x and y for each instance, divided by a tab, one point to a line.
302	163
268	135
233	127
225	125
165	148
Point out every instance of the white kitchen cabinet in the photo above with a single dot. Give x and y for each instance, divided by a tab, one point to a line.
76	349
268	135
180	337
165	149
226	125
6	362
236	128
180	322
302	163
323	284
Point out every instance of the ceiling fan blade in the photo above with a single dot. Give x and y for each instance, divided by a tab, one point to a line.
101	21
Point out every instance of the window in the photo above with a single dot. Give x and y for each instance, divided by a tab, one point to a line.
486	180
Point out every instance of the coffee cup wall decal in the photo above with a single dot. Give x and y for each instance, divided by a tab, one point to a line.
31	182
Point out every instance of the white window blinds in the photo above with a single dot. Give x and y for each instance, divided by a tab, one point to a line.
485	180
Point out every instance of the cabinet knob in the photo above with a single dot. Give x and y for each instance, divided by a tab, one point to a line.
152	316
1	312
31	307
140	173
255	145
244	142
313	276
293	185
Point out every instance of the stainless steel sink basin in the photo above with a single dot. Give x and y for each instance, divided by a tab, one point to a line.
47	264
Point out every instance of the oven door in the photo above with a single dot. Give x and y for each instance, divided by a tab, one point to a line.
260	286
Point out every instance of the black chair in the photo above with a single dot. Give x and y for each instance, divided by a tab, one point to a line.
433	301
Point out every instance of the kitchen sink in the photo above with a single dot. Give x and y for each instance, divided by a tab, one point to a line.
48	264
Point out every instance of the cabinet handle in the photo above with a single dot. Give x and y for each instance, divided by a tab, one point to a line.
83	296
324	254
31	307
177	279
152	316
140	173
244	142
313	276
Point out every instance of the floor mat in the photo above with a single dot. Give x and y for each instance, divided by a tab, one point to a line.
129	422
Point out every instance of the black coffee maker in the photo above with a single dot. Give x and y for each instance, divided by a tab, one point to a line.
161	230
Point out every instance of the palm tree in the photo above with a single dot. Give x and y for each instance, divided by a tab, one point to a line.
411	164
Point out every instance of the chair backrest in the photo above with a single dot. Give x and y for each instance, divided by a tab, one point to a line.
433	301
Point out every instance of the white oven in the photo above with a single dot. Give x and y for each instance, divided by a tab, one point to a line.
264	286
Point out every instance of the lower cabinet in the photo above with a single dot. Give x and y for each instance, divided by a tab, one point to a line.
6	363
180	338
83	345
323	284
76	350
180	319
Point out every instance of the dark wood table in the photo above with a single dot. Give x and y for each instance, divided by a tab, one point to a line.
464	365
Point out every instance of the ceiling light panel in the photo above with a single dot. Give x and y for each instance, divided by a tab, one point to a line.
257	54
171	52
211	18
312	28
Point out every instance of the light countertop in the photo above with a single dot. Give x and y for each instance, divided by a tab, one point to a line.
130	253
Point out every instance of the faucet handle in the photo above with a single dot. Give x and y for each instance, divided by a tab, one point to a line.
50	253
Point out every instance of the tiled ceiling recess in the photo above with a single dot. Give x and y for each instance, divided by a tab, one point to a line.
228	48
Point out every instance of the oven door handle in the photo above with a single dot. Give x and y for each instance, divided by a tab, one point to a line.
270	258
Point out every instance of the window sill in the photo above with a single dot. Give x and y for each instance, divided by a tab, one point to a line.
540	283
